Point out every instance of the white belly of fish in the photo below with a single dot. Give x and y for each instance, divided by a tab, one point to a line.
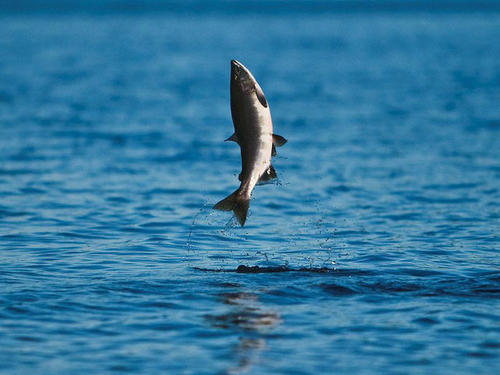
263	159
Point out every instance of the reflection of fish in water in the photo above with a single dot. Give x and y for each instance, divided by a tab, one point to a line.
247	315
251	321
253	131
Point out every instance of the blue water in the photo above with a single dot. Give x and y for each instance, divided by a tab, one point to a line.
377	250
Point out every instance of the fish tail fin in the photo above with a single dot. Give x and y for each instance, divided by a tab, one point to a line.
237	203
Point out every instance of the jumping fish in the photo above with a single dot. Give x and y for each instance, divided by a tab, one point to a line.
253	131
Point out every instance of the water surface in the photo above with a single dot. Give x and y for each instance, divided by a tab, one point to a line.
382	233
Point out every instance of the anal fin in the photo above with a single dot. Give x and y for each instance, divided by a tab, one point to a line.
269	174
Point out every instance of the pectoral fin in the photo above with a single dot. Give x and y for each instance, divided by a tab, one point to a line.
269	174
260	96
273	150
233	138
278	140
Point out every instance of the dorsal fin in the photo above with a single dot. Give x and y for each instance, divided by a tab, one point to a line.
233	138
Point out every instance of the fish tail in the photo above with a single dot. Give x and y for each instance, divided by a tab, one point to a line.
237	203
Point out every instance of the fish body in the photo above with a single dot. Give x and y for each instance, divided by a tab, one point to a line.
253	131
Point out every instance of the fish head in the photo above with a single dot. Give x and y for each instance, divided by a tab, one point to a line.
241	76
243	81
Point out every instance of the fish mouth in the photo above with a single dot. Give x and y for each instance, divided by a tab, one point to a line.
239	72
236	67
236	64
